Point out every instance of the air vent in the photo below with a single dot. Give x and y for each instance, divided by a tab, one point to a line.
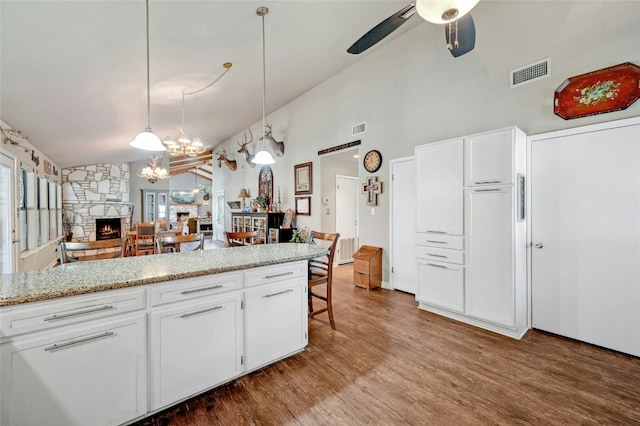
530	73
359	128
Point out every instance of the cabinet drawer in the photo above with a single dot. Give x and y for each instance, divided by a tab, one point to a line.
440	240
275	273
190	288
362	266
440	255
48	314
441	284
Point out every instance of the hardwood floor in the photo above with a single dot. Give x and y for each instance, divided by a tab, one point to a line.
389	363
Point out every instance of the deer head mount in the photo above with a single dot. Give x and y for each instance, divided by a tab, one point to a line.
222	157
243	149
276	147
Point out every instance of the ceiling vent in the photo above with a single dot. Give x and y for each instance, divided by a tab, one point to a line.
530	73
359	128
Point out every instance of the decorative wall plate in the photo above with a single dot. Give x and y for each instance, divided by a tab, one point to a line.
597	92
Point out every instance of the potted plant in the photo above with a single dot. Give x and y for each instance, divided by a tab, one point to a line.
261	202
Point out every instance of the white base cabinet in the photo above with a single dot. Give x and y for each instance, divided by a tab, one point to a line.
195	346
94	375
84	360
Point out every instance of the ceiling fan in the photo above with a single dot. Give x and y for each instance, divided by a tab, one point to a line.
460	31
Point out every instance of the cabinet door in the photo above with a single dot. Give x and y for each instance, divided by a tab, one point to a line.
490	281
441	284
439	168
488	158
149	204
79	376
195	346
276	321
163	205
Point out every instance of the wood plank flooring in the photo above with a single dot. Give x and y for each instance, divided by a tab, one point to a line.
389	363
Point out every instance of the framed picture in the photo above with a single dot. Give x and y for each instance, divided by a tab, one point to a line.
303	206
184	196
303	174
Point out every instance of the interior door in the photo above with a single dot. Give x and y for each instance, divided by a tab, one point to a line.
8	241
403	224
219	232
346	213
585	231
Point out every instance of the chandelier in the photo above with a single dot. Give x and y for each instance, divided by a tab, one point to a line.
153	171
184	145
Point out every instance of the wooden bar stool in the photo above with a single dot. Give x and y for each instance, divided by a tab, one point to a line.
241	238
321	274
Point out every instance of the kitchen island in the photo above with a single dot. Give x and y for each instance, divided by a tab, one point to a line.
111	341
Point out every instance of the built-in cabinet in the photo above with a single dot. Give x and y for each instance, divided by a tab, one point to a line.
114	356
155	205
471	235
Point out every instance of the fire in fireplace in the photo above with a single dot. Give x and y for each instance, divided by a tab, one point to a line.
107	229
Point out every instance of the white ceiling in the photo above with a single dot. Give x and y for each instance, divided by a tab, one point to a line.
73	73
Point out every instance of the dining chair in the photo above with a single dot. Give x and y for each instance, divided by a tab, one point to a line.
321	275
179	243
241	238
69	252
144	239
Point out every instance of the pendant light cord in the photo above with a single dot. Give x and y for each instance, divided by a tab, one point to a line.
148	89
264	82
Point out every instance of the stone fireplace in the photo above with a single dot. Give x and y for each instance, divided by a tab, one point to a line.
95	194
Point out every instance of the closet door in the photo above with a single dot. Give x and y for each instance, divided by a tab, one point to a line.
585	231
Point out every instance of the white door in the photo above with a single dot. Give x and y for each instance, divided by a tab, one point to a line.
585	232
8	241
219	232
346	217
403	224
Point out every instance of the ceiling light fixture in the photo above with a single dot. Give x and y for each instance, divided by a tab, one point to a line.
153	171
444	11
147	140
263	156
185	145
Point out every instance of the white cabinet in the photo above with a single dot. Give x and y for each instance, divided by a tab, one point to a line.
276	321
488	158
471	235
439	170
78	375
490	265
155	205
195	345
441	284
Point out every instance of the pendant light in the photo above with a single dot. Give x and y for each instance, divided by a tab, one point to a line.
263	156
147	140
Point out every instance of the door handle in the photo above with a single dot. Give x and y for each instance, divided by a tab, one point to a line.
539	245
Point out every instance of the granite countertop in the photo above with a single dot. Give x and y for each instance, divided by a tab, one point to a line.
99	275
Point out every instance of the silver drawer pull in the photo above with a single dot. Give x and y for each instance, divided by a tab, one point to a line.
437	255
437	266
289	290
56	317
197	290
488	190
78	341
268	277
488	181
437	242
203	311
436	232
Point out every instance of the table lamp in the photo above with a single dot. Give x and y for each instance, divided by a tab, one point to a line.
243	194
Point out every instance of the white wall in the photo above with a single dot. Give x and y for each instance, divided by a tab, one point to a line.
408	96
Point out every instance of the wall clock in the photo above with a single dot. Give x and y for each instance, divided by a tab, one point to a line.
372	161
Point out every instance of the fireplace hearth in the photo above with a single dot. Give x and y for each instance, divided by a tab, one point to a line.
108	229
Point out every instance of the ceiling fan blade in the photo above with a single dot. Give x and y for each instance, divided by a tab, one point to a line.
382	30
466	35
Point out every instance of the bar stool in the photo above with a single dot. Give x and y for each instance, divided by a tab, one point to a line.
321	274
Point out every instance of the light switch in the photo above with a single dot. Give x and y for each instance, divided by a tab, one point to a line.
373	211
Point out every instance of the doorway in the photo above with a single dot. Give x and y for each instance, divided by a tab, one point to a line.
219	224
347	217
7	216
